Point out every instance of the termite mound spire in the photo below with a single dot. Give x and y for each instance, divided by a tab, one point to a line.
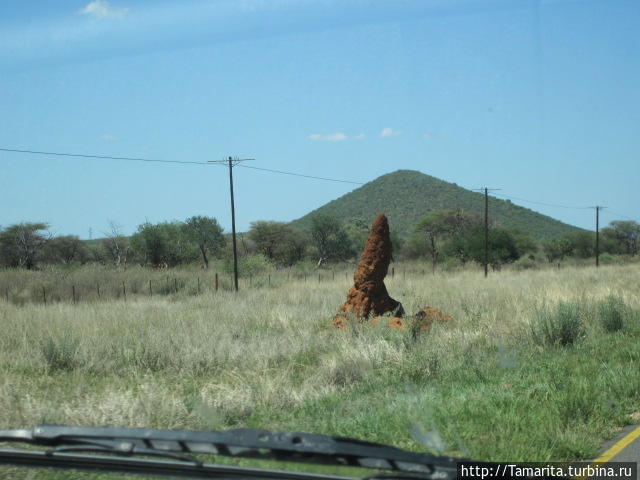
369	296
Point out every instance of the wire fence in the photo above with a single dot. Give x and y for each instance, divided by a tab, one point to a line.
48	288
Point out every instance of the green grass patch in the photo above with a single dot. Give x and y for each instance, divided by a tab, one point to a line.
561	325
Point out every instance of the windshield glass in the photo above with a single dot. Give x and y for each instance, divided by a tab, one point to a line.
412	222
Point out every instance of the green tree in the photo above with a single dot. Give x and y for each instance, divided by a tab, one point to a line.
164	242
206	234
266	235
65	249
582	244
502	246
524	242
278	242
330	239
292	248
21	244
150	242
624	234
441	225
557	249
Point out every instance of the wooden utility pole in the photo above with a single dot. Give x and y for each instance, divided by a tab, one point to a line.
486	232
231	162
486	228
598	208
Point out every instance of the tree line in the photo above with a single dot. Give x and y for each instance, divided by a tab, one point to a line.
441	236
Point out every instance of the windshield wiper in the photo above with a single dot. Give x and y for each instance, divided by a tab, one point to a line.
179	445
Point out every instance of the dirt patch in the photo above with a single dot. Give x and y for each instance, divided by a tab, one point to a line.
396	322
427	316
340	322
419	323
369	294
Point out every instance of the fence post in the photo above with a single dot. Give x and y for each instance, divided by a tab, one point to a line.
333	274
98	288
216	282
198	285
73	293
269	279
305	278
250	279
6	294
318	278
150	290
393	272
44	296
124	291
175	284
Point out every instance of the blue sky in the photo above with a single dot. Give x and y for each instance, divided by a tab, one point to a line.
536	97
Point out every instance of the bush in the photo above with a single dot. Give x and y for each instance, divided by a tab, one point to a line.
525	263
607	258
611	313
60	354
561	326
249	265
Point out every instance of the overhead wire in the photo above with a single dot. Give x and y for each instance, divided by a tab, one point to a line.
301	175
156	160
542	203
104	157
619	214
270	170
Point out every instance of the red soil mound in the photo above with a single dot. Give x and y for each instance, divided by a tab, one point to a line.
339	322
369	293
396	322
427	316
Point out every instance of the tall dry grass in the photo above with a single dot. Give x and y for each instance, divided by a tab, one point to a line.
268	357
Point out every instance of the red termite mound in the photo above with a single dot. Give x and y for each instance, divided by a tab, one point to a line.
369	294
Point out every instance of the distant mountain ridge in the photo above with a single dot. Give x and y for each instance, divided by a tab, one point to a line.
405	196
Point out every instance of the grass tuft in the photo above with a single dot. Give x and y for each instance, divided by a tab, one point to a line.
559	326
60	354
612	312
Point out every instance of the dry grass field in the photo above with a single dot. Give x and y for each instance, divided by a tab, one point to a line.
539	364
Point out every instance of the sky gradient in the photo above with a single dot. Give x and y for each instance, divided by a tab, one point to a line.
536	97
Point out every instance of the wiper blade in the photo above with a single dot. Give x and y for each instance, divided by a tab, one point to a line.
102	463
244	443
180	445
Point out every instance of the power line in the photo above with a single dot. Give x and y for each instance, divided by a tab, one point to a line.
103	157
281	172
542	203
106	157
621	215
301	175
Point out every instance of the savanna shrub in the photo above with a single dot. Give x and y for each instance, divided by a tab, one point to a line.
559	326
611	313
60	354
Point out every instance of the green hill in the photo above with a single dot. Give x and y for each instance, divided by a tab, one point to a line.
405	196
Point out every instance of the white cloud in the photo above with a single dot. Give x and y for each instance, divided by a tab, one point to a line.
362	136
102	9
389	132
329	137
